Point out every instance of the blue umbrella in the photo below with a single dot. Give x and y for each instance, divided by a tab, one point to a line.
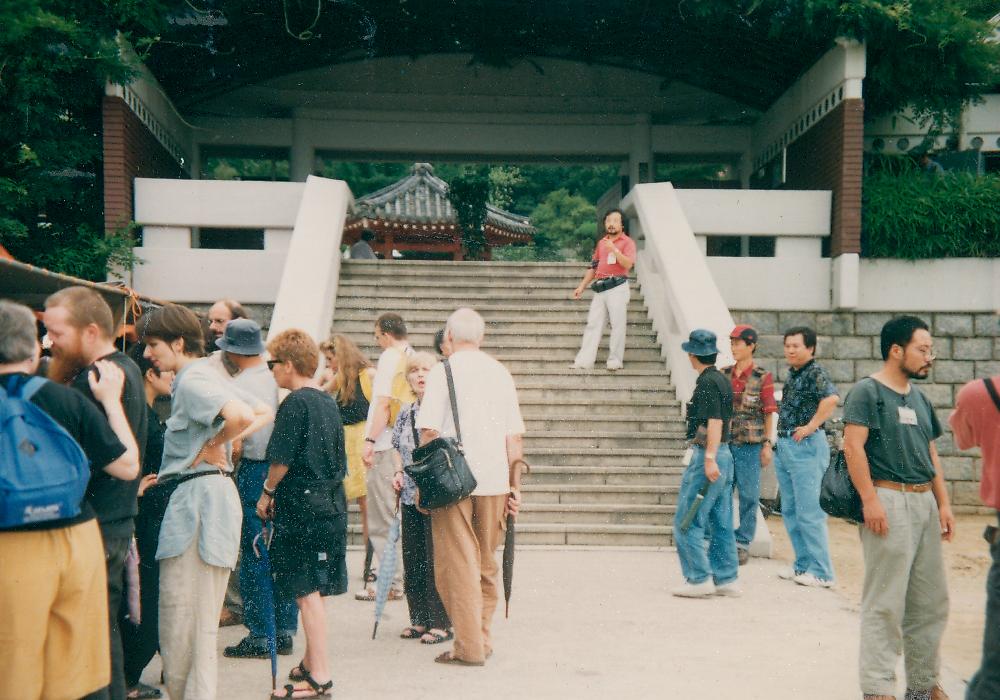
267	596
386	569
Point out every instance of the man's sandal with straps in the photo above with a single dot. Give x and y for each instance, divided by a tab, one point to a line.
319	690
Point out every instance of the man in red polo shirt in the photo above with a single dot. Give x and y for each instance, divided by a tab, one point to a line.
754	413
609	267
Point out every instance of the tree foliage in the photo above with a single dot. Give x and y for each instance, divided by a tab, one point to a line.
469	195
566	225
55	57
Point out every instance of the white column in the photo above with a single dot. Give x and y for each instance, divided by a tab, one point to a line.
640	159
303	154
846	278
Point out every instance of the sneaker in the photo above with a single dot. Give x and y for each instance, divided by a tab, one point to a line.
367	593
695	590
743	555
805	579
614	368
729	590
787	574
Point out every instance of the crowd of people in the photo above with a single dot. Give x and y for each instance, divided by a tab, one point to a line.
231	506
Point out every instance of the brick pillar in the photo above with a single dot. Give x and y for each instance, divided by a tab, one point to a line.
130	151
829	157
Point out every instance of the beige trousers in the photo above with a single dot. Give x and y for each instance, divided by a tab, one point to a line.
466	536
382	509
191	595
904	602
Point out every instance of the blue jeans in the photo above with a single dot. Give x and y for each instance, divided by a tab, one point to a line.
716	513
799	467
986	683
746	480
255	578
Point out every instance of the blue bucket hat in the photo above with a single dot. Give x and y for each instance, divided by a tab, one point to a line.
701	342
242	337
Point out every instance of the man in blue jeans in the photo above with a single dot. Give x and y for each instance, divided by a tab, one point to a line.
808	400
243	348
708	476
750	430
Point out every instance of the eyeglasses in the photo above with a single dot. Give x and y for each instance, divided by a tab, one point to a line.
927	353
272	363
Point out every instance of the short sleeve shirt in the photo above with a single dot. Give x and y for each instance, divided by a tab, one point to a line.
488	412
388	362
207	506
897	450
803	390
258	384
603	268
87	425
712	399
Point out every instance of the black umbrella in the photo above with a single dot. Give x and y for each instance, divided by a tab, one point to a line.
508	553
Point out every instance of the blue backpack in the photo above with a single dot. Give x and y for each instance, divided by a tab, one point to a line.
43	471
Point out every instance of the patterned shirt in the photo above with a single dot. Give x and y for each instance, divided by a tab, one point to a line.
753	398
402	441
804	389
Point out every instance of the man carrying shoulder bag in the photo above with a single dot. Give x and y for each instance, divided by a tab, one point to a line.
467	533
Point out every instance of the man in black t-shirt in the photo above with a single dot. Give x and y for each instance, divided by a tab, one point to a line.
54	637
81	328
304	495
705	500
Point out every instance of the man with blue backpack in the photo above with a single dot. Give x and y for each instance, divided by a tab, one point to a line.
54	640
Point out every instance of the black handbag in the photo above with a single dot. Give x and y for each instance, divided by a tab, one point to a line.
439	468
837	495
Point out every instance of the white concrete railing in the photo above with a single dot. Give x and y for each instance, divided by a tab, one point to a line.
308	291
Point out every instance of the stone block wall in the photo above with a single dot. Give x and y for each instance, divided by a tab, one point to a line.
967	346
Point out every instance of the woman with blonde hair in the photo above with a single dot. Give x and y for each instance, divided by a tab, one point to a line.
348	378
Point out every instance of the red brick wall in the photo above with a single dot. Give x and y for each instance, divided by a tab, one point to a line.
828	157
130	151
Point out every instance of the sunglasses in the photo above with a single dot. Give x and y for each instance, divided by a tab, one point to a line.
272	363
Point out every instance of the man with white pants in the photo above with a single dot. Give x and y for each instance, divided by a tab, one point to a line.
609	268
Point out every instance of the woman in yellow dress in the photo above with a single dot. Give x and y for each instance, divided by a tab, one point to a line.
349	377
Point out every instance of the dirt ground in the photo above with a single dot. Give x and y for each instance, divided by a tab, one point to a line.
968	561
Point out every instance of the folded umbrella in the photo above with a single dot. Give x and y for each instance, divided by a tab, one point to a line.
508	564
261	544
692	511
386	569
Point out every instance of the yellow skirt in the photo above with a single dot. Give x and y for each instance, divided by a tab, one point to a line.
354	482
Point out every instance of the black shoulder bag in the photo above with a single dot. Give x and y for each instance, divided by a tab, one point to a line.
439	468
837	495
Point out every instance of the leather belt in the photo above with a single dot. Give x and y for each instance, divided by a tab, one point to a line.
905	488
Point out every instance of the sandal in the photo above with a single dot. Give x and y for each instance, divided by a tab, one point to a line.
412	632
319	690
299	673
436	637
447	658
141	691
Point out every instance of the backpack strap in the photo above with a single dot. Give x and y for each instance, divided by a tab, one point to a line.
454	401
15	388
992	390
31	387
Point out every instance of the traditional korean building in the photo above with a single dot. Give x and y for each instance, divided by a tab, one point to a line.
415	215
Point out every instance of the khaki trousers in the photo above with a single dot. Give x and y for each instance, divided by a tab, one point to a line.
191	595
466	536
53	613
904	602
382	509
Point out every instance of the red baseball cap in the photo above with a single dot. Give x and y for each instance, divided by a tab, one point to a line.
746	333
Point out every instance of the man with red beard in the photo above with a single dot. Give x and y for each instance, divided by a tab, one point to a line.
81	328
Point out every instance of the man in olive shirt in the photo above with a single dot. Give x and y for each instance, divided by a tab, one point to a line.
889	431
709	474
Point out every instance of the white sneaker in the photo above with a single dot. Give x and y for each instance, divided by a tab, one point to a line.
787	574
810	580
729	590
695	590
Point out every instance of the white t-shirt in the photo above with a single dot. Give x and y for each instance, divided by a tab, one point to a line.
488	412
388	361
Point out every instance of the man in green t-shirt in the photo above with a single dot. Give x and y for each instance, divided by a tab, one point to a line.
889	434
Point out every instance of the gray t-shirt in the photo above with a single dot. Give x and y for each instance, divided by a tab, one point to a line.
901	428
362	251
258	384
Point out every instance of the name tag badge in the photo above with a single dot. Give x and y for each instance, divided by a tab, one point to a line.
611	258
907	416
688	456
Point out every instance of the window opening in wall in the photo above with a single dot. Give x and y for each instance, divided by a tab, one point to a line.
761	246
245	163
228	238
740	246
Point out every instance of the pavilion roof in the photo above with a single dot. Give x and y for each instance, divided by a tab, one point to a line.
422	198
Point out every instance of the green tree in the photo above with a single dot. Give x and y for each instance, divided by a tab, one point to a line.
55	57
469	195
566	227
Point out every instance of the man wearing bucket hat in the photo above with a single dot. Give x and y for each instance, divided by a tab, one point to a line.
242	347
754	413
709	475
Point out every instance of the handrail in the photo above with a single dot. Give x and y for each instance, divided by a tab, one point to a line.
308	291
678	287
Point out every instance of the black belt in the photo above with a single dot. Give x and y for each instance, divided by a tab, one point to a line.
606	283
789	433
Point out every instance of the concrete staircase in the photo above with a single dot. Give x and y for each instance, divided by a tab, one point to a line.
605	448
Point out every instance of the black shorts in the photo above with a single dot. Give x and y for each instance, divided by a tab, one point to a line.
310	556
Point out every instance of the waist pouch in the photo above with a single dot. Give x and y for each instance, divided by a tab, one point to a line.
315	498
603	285
155	502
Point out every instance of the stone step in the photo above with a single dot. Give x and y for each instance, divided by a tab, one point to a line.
438	313
525	326
555	357
601	381
558	395
443	266
600	477
596	423
560	365
606	457
650	406
595	514
520	341
403	304
463	294
605	439
569	278
596	535
603	493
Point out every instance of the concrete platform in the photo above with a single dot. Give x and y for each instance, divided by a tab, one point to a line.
599	623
